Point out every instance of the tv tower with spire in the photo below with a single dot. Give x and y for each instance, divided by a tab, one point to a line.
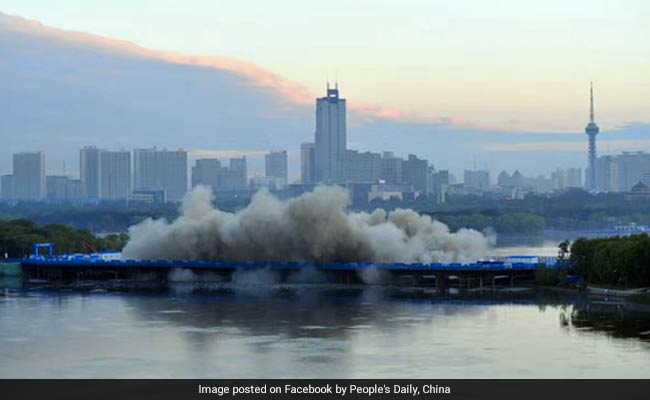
592	130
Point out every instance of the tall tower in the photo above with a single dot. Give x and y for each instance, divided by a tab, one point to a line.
330	143
592	130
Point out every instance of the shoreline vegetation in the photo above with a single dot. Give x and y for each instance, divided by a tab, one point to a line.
619	262
573	210
17	237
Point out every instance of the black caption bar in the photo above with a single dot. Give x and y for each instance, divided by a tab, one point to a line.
317	389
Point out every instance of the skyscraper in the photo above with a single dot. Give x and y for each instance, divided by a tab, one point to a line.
330	135
206	171
115	174
7	187
210	172
361	167
89	171
592	130
478	179
391	168
161	169
307	163
29	176
275	167
414	172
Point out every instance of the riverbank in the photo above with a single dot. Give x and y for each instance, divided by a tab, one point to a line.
11	268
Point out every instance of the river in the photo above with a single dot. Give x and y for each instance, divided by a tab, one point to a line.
313	331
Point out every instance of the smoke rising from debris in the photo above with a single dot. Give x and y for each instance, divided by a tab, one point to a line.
315	227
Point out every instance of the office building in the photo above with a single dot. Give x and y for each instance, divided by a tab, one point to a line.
360	167
477	179
276	168
573	178
414	172
237	177
89	171
391	168
631	166
155	169
307	163
29	176
115	174
330	144
7	187
438	182
606	174
206	171
56	187
210	172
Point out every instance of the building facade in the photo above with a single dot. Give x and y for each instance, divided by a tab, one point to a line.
210	172
414	171
477	179
331	136
361	167
7	187
29	176
391	168
161	169
89	171
307	163
276	168
115	174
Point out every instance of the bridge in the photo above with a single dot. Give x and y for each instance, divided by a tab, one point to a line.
110	266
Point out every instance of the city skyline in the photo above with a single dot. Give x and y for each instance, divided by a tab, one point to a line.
152	174
517	45
109	174
273	111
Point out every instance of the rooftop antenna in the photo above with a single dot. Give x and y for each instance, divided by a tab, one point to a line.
63	167
591	107
336	79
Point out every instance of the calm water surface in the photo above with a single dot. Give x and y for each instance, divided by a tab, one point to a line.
313	331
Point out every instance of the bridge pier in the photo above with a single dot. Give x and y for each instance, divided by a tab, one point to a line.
442	282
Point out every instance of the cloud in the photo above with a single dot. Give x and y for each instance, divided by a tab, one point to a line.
573	146
293	93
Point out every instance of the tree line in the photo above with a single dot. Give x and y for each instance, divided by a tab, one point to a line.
17	237
621	261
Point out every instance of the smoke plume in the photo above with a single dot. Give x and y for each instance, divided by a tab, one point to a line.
315	227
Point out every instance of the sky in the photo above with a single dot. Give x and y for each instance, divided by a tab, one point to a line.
499	84
508	65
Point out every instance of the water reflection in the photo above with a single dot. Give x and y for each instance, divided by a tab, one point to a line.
612	318
190	330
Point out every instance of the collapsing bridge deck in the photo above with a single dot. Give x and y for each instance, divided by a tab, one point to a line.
97	267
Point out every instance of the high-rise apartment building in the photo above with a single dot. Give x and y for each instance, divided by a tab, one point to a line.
414	172
361	167
161	169
29	176
210	172
573	178
391	168
89	171
330	136
307	163
206	171
115	174
7	187
276	167
477	179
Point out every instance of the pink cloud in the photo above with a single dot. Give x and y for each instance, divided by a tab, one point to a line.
289	91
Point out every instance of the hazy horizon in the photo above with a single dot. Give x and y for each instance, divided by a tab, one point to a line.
67	89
